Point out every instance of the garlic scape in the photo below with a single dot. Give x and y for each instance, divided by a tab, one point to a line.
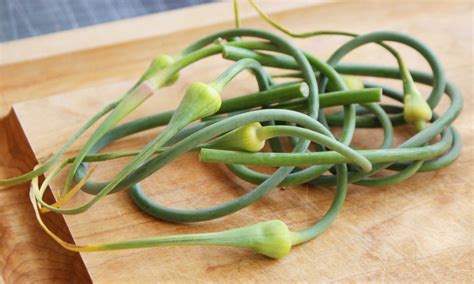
289	105
158	64
244	138
270	238
416	110
221	154
126	105
141	91
200	100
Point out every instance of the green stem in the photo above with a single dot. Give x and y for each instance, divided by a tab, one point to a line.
225	77
268	132
276	94
338	98
131	101
44	168
322	158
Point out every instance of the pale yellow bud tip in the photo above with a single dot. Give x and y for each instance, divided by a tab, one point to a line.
270	238
353	83
416	110
159	63
244	138
201	100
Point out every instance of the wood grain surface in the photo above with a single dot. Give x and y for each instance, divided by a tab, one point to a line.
420	230
26	253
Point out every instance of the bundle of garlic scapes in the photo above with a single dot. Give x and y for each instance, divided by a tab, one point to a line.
235	131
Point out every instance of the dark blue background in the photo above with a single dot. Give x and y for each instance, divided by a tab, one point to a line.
26	18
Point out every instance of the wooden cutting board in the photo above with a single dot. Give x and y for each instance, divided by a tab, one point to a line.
419	230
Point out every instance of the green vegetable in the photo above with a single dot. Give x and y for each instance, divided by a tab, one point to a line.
235	132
